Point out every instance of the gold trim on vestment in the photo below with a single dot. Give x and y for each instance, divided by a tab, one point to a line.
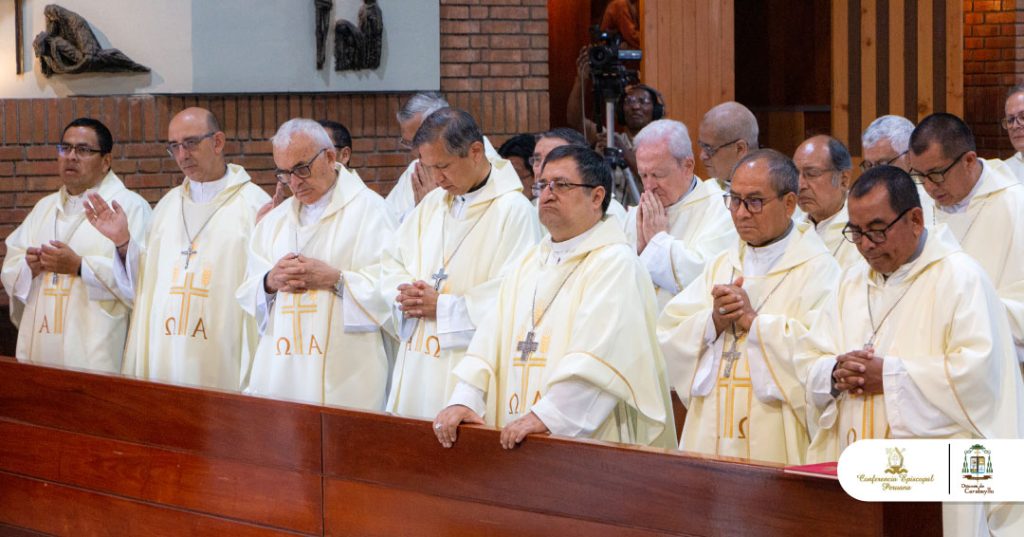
956	396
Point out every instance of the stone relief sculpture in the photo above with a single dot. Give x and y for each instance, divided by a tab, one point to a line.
68	46
323	25
360	47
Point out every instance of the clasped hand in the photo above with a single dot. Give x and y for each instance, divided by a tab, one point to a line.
731	306
296	273
417	299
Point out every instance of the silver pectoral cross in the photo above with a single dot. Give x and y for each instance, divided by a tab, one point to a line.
439	278
188	253
55	279
526	347
730	359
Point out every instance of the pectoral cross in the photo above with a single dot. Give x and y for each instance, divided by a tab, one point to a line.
730	358
527	347
439	278
55	278
188	253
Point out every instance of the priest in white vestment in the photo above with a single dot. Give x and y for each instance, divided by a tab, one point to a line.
187	327
58	273
886	142
825	172
1013	124
546	141
680	223
448	256
892	361
729	338
570	348
312	281
980	201
728	131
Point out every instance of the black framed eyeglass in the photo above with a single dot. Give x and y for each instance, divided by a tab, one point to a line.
534	160
877	236
189	144
710	151
83	151
558	187
866	165
302	171
937	176
753	205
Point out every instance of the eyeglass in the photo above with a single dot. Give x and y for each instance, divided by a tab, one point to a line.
189	144
937	176
1010	122
534	160
559	187
302	171
633	101
753	205
405	144
83	151
710	151
877	236
814	173
866	165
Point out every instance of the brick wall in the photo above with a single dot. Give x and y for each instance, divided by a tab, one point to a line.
993	61
494	63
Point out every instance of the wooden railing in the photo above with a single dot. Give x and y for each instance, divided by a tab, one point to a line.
84	454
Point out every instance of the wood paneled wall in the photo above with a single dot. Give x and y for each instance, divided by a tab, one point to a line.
689	55
902	57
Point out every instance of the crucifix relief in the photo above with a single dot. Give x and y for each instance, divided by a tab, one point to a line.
439	277
189	253
527	347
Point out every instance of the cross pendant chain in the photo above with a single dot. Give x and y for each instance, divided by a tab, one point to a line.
730	358
527	347
439	278
188	253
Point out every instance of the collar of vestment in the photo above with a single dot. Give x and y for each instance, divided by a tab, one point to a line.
802	245
836	221
994	178
503	179
345	189
235	178
699	191
606	232
106	188
939	244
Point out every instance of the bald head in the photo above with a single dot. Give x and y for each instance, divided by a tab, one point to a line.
197	144
727	133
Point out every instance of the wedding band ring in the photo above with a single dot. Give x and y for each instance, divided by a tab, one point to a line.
721	311
437	426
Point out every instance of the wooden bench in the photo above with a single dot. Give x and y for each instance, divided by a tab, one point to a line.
84	454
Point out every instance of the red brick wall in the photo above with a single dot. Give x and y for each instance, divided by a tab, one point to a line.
494	56
993	62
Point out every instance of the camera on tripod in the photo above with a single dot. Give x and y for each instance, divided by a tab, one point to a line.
609	75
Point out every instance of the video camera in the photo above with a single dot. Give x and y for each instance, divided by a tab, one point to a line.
609	75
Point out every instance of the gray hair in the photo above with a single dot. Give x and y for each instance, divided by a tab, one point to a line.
896	129
456	127
1017	88
424	103
303	126
734	121
782	173
673	132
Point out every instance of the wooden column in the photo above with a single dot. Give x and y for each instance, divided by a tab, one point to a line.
689	56
902	57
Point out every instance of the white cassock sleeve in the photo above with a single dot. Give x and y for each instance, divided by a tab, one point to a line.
761	378
469	396
908	411
574	408
126	270
707	367
23	285
264	304
97	291
669	262
455	329
819	382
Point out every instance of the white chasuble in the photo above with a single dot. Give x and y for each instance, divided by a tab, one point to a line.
475	249
699	228
831	232
318	347
991	230
1015	165
744	396
66	320
188	327
598	329
949	367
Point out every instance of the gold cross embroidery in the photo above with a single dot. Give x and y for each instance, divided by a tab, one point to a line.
60	293
186	290
296	308
730	381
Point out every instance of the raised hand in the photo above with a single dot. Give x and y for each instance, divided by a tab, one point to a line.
109	220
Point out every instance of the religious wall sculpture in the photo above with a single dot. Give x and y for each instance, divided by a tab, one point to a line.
323	25
68	46
359	47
